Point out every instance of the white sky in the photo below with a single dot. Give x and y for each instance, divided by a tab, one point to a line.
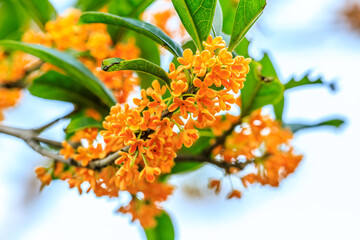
319	201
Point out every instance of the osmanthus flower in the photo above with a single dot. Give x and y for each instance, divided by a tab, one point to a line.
162	121
64	34
261	142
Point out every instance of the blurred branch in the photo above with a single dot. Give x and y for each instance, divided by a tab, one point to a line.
33	140
220	140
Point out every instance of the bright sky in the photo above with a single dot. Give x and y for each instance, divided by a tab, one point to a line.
319	201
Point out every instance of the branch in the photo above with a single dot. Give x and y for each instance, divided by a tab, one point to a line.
221	139
40	129
204	159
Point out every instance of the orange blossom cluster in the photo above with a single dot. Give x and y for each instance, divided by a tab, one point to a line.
260	141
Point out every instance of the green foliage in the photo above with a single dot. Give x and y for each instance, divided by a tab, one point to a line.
90	5
164	229
306	81
143	28
81	121
125	8
56	86
259	91
247	12
40	10
72	67
139	65
197	18
13	19
268	70
150	52
295	127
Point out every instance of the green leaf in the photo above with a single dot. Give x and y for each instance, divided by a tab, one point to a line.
295	127
56	86
247	12
40	10
229	9
125	8
218	20
90	5
268	70
79	122
307	81
143	28
197	17
164	229
184	167
73	68
259	91
140	65
149	51
13	19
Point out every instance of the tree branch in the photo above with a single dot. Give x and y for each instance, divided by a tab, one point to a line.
221	139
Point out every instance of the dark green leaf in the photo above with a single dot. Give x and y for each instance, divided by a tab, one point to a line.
40	10
143	28
164	229
259	91
73	68
140	65
125	8
80	122
197	17
91	5
218	20
300	126
307	81
13	19
247	12
56	86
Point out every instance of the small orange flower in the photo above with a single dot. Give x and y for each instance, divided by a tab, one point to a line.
214	183
178	87
149	172
186	106
234	194
187	59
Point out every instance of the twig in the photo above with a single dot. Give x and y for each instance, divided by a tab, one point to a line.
221	139
40	129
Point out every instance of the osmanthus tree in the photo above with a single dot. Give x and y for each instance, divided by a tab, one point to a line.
118	143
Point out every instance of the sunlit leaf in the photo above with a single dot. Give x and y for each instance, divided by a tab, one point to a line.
141	27
71	66
197	18
247	12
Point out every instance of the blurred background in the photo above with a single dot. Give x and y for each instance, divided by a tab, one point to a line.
320	200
